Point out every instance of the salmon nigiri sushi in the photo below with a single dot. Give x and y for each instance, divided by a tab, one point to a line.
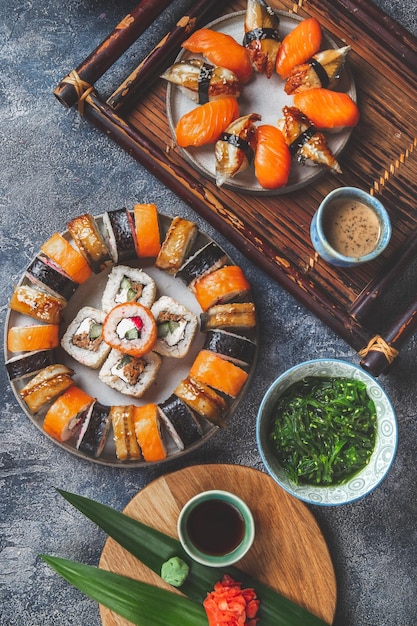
272	158
221	49
327	108
205	123
298	46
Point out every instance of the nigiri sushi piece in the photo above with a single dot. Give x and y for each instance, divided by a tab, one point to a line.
203	82
149	433
203	400
45	274
66	414
222	50
129	375
305	142
94	430
272	157
34	337
148	236
130	328
89	241
218	373
176	245
127	447
235	348
128	284
120	234
222	285
328	109
298	46
204	124
46	385
180	422
207	259
320	71
232	316
28	364
176	327
235	149
38	304
66	256
83	339
261	38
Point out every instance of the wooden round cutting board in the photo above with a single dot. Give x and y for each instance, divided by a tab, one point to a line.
289	552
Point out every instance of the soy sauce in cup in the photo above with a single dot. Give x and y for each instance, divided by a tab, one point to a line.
215	527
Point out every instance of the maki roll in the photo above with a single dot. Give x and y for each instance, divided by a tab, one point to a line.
87	237
202	399
120	234
232	316
218	373
223	285
83	339
176	327
180	422
46	385
19	367
43	273
65	415
130	375
34	337
148	236
127	448
38	304
148	432
59	250
236	348
176	245
94	430
209	258
128	284
130	328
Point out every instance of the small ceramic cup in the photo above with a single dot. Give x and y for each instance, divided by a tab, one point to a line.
350	227
216	528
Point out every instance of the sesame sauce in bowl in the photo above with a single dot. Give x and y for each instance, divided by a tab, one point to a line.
353	228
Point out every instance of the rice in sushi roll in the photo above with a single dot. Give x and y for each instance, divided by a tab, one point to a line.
94	430
83	339
176	326
129	375
130	328
128	284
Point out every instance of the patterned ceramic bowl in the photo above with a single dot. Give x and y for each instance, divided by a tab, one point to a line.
361	483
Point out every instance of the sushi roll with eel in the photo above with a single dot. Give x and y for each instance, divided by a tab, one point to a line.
235	348
66	414
231	316
129	375
46	385
148	432
43	273
180	422
176	327
29	364
130	328
38	304
89	241
176	245
128	284
127	448
83	339
120	234
202	399
94	430
209	258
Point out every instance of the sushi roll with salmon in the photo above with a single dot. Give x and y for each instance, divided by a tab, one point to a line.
72	262
89	241
237	316
235	348
223	285
46	385
32	338
46	275
219	373
65	415
122	419
130	328
29	364
180	422
94	430
38	304
83	339
176	245
128	284
207	259
205	124
176	327
129	375
148	235
120	234
203	400
148	431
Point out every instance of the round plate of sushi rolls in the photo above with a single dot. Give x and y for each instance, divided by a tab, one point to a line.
130	337
247	155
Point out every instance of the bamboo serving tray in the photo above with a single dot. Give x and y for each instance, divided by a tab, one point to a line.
273	231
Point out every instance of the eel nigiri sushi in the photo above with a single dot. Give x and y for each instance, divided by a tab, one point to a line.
34	337
207	259
128	284
298	46
328	109
305	141
46	275
203	82
89	241
66	414
261	38
129	375
205	124
46	385
202	399
235	149
148	432
176	245
319	71
127	447
231	316
130	328
148	237
180	422
38	304
218	373
120	234
176	327
94	430
222	285
272	157
66	256
83	339
222	50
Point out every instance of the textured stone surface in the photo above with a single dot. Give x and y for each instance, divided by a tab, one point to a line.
55	166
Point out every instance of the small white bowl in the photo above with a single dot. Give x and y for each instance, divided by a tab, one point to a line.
229	514
384	451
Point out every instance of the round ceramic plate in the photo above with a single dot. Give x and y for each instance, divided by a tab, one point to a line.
172	371
261	95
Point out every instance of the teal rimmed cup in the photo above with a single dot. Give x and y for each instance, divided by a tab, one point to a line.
216	528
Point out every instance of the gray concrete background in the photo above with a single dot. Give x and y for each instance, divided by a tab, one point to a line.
54	166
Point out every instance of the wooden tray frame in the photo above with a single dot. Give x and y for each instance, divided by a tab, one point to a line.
273	230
